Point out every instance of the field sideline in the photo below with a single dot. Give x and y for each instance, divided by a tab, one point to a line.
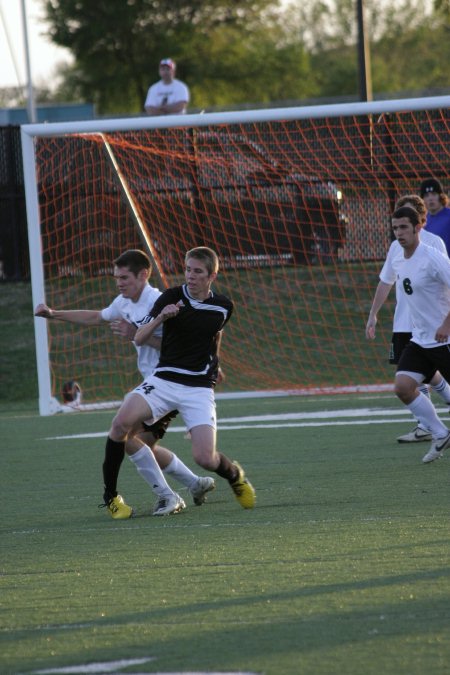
342	567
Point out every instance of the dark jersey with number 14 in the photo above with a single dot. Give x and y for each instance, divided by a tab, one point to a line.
189	344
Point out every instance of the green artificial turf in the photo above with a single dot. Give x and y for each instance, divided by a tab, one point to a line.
342	567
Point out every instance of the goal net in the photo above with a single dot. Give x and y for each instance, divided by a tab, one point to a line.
296	202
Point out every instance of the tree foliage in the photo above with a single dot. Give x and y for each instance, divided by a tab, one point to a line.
409	44
117	44
255	52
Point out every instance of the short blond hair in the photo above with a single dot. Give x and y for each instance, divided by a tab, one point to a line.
207	256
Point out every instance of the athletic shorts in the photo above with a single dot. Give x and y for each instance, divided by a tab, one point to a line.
159	428
196	405
398	344
416	359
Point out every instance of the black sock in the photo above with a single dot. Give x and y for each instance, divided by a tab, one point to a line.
226	469
114	454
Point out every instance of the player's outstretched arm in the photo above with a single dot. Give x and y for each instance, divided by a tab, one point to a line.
85	317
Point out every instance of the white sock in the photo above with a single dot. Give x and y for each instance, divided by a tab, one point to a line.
425	390
423	409
180	472
146	464
443	389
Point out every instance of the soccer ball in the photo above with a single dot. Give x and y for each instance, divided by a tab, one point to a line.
71	392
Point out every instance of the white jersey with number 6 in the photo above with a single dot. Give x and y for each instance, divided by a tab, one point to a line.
424	281
402	320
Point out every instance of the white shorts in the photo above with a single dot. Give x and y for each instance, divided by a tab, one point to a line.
196	405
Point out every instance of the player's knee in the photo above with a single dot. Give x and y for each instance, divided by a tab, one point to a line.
205	457
405	389
399	390
120	428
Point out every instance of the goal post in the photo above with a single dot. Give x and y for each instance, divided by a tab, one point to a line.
296	201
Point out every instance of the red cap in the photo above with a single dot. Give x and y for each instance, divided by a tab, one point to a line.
167	62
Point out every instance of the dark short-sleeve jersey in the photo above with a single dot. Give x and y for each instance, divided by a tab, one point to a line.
189	343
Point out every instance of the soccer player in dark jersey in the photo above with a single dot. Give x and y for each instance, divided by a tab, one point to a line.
192	317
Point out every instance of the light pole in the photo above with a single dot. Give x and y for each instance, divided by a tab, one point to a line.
365	78
30	93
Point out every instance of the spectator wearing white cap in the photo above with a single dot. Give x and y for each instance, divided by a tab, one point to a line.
438	216
169	96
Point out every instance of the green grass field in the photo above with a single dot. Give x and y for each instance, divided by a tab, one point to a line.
342	567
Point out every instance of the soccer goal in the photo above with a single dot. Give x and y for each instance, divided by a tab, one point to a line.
296	201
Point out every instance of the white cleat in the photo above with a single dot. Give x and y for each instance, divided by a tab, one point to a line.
437	449
168	505
417	435
204	485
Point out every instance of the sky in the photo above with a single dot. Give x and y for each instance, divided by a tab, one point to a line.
43	55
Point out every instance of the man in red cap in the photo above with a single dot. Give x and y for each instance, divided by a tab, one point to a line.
169	96
438	217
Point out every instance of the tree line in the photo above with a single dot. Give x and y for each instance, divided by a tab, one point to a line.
238	53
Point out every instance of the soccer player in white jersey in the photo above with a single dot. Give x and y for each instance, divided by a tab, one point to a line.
193	317
402	325
136	297
423	276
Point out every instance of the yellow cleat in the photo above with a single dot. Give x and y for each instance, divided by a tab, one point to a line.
243	490
118	509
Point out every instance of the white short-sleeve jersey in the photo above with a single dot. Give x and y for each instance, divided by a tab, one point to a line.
424	282
402	320
161	93
135	312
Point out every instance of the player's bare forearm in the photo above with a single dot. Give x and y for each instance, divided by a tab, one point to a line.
219	342
370	327
86	317
220	374
154	342
379	299
145	332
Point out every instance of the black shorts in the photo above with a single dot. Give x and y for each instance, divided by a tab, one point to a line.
398	344
417	359
159	428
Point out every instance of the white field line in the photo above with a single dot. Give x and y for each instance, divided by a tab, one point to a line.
96	667
312	391
321	419
132	524
232	395
101	668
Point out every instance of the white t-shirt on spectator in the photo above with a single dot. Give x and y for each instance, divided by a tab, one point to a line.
161	93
